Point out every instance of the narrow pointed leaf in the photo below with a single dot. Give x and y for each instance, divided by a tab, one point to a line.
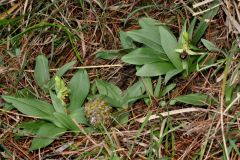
203	25
209	45
148	85
194	99
171	74
167	89
61	72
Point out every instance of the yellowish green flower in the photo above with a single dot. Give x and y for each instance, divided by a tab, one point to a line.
61	89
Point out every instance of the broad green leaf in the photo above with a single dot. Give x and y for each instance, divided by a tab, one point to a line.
78	115
203	25
169	45
46	134
144	55
155	69
29	128
209	45
108	89
62	71
66	121
79	86
147	36
41	72
31	107
61	89
171	74
57	103
126	41
194	99
146	22
167	89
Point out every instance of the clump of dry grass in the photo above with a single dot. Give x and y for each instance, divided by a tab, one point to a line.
186	134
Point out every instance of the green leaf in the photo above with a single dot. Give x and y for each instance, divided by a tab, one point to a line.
133	93
78	115
108	89
209	45
41	73
171	74
57	103
113	54
30	127
191	28
31	107
155	69
203	25
126	41
64	69
144	55
135	90
147	22
181	39
169	44
194	99
147	36
112	101
148	85
79	86
122	118
61	72
46	134
108	55
167	89
66	121
158	87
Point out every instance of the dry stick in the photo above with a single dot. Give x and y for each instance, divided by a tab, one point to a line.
232	103
202	3
201	12
178	111
18	114
83	67
232	20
